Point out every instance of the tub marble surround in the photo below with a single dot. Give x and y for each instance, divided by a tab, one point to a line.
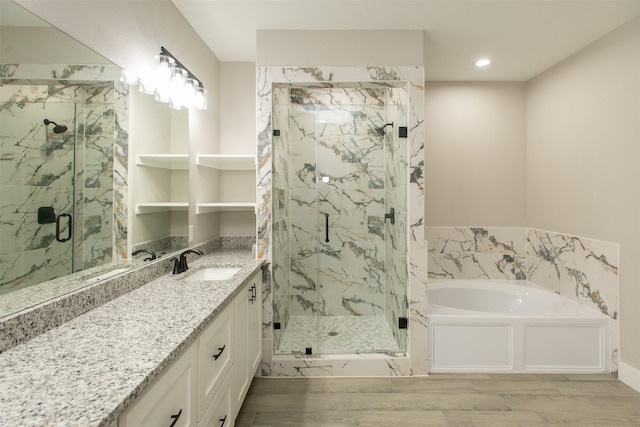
88	370
582	269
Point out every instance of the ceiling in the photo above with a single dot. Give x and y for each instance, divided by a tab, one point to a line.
522	37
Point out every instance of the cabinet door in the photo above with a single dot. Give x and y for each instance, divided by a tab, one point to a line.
219	413
255	324
170	400
240	368
215	357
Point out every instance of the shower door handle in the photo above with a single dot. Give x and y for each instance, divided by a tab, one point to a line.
326	227
69	230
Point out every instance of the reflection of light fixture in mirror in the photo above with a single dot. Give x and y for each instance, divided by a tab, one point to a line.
177	85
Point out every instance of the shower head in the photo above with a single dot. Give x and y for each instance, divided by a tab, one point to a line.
380	130
56	128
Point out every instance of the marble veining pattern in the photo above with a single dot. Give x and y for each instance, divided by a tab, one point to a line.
582	269
88	110
273	205
477	253
87	371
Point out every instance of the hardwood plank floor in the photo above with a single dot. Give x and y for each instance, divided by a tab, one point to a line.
441	400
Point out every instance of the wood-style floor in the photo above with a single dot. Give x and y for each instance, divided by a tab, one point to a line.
441	400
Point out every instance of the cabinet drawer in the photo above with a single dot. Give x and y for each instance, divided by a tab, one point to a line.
219	412
169	400
215	358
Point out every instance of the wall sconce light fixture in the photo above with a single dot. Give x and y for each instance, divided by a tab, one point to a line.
177	85
174	83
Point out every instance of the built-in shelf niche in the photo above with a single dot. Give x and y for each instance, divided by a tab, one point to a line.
164	161
227	161
202	208
142	208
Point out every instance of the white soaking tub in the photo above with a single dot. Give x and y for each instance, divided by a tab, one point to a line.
512	326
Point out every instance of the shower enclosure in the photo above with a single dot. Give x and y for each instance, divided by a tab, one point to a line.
56	179
339	219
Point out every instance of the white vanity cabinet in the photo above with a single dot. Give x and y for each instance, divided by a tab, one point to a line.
207	383
247	338
169	401
215	358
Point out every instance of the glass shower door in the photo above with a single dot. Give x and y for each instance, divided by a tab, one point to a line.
351	203
339	260
37	170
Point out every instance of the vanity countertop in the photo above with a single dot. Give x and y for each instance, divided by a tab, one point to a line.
86	371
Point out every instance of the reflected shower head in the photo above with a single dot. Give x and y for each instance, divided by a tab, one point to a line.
56	128
380	130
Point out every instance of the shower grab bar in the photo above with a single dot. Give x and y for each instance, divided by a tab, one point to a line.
326	227
69	230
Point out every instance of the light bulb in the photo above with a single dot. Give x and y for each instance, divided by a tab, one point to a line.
200	99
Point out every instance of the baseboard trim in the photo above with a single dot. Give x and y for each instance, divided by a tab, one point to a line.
630	376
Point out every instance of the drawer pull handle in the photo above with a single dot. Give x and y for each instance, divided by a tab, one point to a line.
175	418
222	420
220	351
253	295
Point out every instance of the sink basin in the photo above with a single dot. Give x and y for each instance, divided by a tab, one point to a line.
213	273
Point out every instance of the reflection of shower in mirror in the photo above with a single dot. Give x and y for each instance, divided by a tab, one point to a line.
56	127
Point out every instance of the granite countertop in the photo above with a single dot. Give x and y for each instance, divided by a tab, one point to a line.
88	370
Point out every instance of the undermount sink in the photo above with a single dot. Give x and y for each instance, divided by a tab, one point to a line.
213	273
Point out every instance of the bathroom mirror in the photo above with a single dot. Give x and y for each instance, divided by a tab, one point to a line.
57	138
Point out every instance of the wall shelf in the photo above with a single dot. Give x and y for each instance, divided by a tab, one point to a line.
164	161
227	161
142	208
202	208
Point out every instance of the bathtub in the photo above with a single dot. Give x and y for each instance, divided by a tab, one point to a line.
512	326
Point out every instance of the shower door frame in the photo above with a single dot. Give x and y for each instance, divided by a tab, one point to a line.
414	361
338	173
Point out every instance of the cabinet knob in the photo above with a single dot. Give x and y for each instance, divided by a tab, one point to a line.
220	351
175	418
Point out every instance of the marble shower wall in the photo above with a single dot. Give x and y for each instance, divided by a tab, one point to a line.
38	168
337	169
342	168
281	211
395	196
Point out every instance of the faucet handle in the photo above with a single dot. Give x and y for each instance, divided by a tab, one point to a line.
176	265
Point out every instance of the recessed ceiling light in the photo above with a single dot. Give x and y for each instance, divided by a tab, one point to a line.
483	62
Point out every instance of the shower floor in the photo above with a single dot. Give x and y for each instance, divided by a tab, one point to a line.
338	335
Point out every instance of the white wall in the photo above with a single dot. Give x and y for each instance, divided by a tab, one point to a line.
44	45
237	136
583	158
339	48
130	34
475	154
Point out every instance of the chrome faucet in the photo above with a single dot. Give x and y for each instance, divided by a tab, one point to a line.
180	265
145	251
